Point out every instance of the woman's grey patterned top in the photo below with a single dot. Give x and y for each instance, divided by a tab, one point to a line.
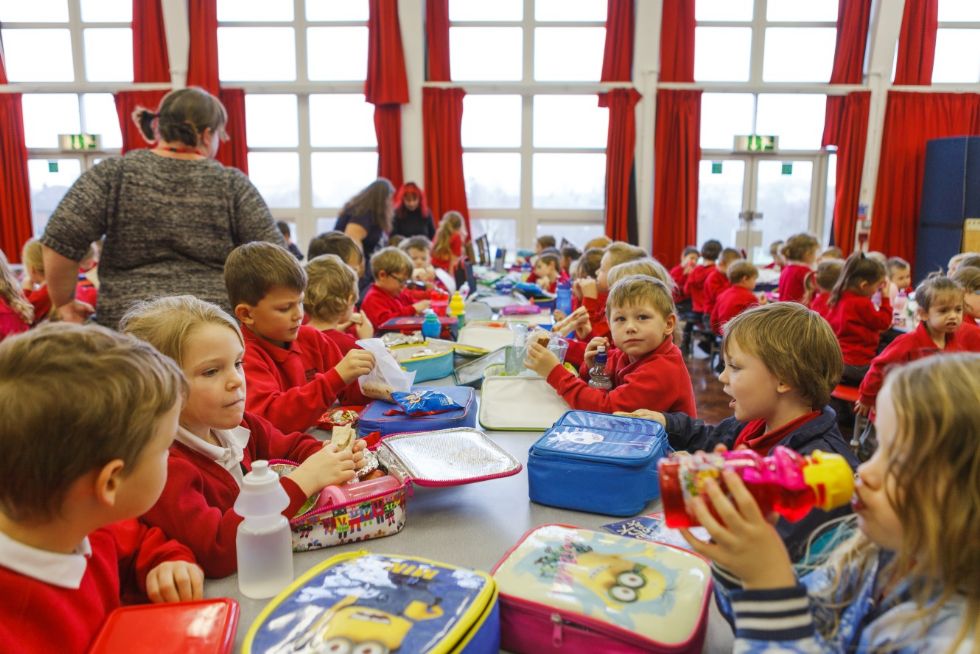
169	224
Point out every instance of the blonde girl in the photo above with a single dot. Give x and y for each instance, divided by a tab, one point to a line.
450	236
909	578
16	313
217	440
799	255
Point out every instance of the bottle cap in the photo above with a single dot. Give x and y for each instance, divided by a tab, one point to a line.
261	493
830	477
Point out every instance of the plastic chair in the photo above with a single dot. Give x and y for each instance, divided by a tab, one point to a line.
849	395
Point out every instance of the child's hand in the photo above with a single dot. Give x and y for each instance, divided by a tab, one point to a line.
646	414
364	327
558	315
742	540
862	409
175	581
592	348
583	327
540	359
421	306
358	453
325	467
354	364
587	287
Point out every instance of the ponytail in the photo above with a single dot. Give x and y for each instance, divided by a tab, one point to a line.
144	119
858	268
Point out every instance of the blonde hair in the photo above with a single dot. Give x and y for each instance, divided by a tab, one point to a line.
740	270
331	289
11	291
32	254
640	289
619	252
645	266
957	259
73	398
254	269
728	255
416	243
798	246
967	278
934	400
167	323
601	242
392	261
794	343
452	222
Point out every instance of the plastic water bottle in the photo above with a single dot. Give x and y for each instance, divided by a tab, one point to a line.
265	552
498	260
598	377
563	299
457	308
430	325
514	356
899	308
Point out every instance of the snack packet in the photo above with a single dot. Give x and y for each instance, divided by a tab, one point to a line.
424	402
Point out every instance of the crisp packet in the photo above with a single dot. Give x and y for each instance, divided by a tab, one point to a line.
424	403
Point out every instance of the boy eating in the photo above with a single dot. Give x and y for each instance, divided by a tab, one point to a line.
387	297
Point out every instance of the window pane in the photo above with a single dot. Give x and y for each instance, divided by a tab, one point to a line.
333	10
338	176
492	180
342	121
501	233
723	10
831	198
578	234
47	115
38	55
48	187
722	53
255	10
957	56
256	54
109	55
794	10
337	53
569	181
719	199
107	11
483	10
470	47
276	176
592	10
271	120
325	224
799	55
101	118
491	121
959	10
35	11
569	121
568	53
723	115
784	201
796	118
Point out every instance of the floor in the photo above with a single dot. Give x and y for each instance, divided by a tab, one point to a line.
708	394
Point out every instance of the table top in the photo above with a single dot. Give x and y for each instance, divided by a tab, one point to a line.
471	526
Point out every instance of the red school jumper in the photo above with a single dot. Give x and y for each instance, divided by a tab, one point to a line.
596	306
196	504
731	302
36	616
380	307
792	282
858	326
10	321
659	381
819	303
344	340
695	285
291	388
456	247
715	283
680	281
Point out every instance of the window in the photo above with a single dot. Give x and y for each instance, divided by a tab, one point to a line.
957	43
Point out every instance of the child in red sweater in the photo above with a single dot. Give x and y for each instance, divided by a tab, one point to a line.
855	318
294	372
968	278
594	292
548	272
647	369
16	313
736	298
694	287
331	293
447	251
78	464
800	252
680	274
387	297
824	280
217	440
717	279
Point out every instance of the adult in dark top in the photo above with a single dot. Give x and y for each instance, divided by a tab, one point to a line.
169	215
366	218
412	214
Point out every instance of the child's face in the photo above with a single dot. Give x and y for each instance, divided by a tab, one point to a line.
601	279
691	259
971	303
411	201
37	277
391	283
278	315
420	257
639	329
212	363
901	277
753	388
875	485
544	268
144	481
945	315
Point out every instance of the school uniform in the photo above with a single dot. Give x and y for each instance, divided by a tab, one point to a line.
659	381
596	306
292	387
380	307
858	325
731	302
815	431
456	248
59	602
42	300
204	480
344	340
10	321
680	277
792	282
695	285
715	283
819	303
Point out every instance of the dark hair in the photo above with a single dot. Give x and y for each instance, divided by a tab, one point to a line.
588	265
410	188
254	269
571	252
334	242
858	268
416	243
932	287
740	270
372	200
730	254
546	241
711	249
690	249
283	228
897	263
182	117
549	257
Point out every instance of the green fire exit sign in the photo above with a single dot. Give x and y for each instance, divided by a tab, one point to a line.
756	143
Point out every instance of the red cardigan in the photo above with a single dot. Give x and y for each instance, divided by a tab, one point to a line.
715	283
731	302
792	282
695	285
659	381
38	617
680	281
196	506
858	326
380	307
291	388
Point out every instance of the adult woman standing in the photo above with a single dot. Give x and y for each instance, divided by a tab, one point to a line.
366	218
412	215
169	215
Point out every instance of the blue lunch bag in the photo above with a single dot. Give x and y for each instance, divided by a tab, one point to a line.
375	417
598	463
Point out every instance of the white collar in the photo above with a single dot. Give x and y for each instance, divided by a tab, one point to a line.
64	570
228	455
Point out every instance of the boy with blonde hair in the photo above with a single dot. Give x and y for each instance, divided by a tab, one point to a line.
646	369
387	297
594	292
294	372
78	462
331	293
738	297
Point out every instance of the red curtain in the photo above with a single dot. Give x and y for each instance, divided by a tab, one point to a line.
437	40
617	58
917	42
853	19
387	85
126	104
911	119
150	60
234	151
677	41
442	118
202	61
677	154
15	188
620	148
851	138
